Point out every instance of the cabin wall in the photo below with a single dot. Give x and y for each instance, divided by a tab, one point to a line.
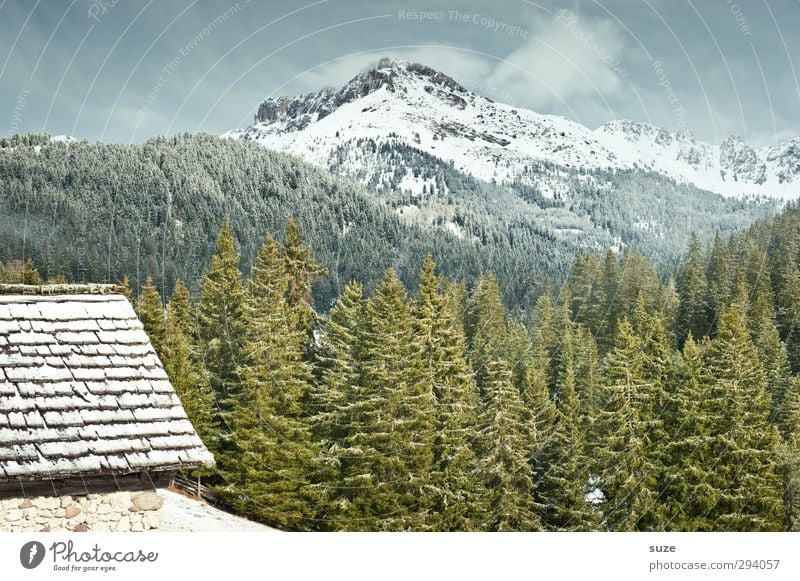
102	512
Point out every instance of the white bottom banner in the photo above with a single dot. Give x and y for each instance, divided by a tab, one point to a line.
377	556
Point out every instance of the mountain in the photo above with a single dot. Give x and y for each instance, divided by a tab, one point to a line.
102	211
398	103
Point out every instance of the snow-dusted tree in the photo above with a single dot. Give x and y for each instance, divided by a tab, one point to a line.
150	310
628	475
504	463
270	469
750	456
456	488
221	319
390	449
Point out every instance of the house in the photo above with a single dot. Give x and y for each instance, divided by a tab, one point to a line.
90	426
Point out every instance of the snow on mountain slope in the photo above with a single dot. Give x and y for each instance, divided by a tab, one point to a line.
408	103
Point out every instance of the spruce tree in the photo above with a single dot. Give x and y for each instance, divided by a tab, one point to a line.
606	307
188	376
338	401
271	468
628	475
486	326
792	458
125	288
564	469
446	370
750	458
659	367
150	310
221	319
303	271
693	293
504	463
181	306
30	275
694	483
391	449
719	275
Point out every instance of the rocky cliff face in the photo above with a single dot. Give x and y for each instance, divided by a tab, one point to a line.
740	162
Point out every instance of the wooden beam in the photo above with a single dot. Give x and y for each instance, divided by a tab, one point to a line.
83	486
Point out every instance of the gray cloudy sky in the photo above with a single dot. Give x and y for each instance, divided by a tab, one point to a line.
125	70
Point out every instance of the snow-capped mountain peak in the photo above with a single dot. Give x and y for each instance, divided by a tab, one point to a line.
411	104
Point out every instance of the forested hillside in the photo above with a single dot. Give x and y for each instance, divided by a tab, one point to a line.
626	402
103	211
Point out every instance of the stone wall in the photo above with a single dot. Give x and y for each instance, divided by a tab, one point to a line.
116	511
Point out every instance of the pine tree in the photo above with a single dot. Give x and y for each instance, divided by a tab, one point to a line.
606	307
486	327
693	293
303	271
693	483
337	402
564	468
150	310
504	464
750	458
446	369
391	450
271	469
187	375
791	473
627	473
29	273
221	319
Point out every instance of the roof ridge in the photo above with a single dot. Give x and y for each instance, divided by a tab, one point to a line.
61	289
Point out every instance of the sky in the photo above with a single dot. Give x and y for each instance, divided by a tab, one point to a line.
128	70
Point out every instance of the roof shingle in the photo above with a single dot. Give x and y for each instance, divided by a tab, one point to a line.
83	392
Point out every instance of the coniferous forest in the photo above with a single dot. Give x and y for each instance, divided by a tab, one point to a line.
512	380
622	400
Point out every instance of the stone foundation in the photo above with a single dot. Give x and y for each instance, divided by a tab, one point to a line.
116	511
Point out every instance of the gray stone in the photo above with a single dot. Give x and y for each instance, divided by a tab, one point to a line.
13	515
137	527
148	500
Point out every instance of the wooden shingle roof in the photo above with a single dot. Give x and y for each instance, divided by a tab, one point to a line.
82	392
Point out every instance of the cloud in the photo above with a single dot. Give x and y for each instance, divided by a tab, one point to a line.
569	57
451	60
561	60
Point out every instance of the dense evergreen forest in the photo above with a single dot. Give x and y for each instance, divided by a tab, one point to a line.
624	402
363	386
103	211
